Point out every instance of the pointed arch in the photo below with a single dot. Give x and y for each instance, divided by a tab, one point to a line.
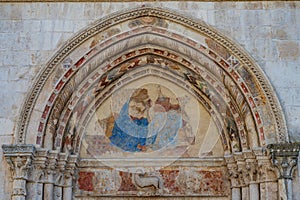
215	59
138	47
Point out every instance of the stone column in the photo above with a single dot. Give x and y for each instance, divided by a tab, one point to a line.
251	172
69	175
36	178
50	176
58	186
59	182
234	177
266	176
243	174
67	189
19	158
284	157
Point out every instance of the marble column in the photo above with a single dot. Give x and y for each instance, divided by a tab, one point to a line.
48	186
58	192
60	178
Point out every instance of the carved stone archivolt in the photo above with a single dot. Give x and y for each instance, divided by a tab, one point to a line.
138	44
256	91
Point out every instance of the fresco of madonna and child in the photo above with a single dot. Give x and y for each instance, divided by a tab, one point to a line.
146	124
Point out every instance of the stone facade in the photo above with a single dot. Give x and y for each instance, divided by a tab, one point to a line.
35	36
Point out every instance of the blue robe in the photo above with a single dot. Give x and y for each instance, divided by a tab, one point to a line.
127	133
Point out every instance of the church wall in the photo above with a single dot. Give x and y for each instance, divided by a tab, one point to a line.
30	34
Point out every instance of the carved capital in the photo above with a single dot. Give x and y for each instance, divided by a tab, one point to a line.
232	171
51	167
265	170
250	166
71	169
39	163
284	157
19	158
242	170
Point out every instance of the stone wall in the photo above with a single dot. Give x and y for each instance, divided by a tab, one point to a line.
30	33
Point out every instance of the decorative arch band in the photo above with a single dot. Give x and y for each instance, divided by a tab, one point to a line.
230	59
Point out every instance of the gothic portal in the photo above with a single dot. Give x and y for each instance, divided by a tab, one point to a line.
150	103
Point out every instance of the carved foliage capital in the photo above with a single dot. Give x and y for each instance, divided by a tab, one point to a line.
232	171
284	157
19	158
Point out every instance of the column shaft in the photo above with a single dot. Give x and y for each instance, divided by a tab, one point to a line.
236	194
245	193
253	191
67	193
48	191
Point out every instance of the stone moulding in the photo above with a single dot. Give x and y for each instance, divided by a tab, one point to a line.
105	23
32	1
15	149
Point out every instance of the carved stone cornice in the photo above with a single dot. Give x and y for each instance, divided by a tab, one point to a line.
20	149
284	157
92	1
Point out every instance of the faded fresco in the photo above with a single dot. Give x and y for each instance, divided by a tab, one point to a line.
151	120
177	181
146	124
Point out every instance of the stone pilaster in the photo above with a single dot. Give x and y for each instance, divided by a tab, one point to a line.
19	158
284	157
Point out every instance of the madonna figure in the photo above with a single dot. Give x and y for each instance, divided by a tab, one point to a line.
130	131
